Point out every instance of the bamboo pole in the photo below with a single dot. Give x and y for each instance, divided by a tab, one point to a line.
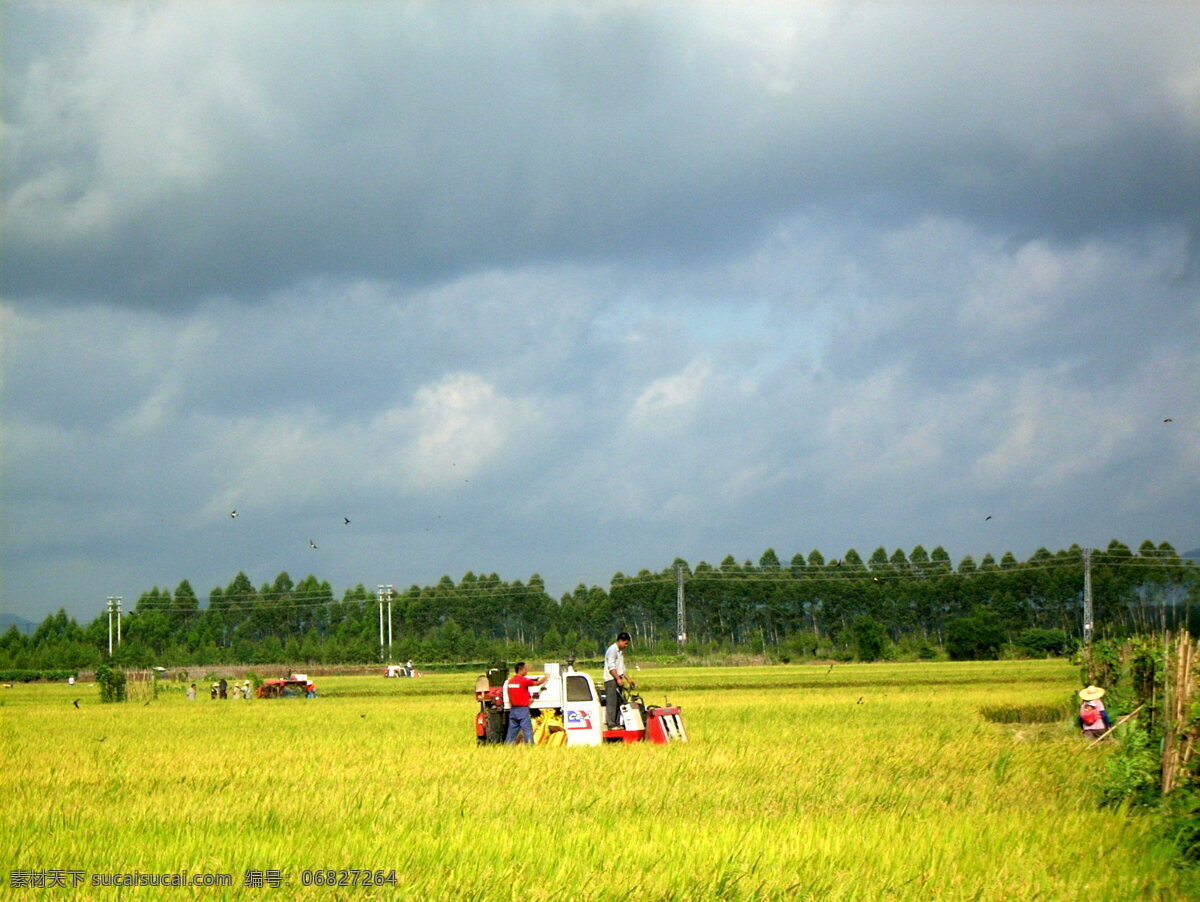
1192	683
1179	741
1169	756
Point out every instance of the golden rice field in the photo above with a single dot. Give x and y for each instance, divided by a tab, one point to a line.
791	788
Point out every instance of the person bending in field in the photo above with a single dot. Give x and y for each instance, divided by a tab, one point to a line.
614	679
517	686
1093	718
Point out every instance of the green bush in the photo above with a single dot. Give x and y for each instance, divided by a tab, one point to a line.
1044	643
979	636
1181	823
797	647
1132	773
913	647
28	676
870	638
112	683
1101	664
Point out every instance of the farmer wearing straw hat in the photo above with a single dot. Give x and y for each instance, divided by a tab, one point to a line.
1092	716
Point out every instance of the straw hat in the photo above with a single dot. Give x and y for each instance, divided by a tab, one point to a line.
1091	693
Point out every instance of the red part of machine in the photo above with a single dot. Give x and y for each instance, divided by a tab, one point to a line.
624	735
663	725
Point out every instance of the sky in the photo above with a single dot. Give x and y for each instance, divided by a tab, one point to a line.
578	288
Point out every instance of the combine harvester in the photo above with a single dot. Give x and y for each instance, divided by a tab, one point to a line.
569	710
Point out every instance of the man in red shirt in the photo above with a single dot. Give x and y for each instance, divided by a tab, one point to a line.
517	686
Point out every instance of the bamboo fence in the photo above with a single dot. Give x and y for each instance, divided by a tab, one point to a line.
1182	723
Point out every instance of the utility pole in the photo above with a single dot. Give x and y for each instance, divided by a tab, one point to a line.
114	606
680	614
1088	624
389	593
380	590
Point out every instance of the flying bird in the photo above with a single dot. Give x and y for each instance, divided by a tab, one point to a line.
346	521
75	703
859	702
312	544
102	738
988	517
1168	420
830	670
233	514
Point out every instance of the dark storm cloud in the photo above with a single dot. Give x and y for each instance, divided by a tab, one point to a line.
579	288
177	154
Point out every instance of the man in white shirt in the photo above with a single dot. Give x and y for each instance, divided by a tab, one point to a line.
614	679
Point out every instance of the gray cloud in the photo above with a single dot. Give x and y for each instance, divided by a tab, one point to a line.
576	289
407	143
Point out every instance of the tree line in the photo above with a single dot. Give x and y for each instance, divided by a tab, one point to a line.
807	606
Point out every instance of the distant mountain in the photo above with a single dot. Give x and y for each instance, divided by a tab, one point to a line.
25	626
1193	555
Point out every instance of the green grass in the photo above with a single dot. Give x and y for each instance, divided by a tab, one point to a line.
790	788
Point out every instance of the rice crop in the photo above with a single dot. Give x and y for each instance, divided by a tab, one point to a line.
1028	713
874	781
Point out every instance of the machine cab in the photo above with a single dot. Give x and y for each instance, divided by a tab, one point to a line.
574	695
582	715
